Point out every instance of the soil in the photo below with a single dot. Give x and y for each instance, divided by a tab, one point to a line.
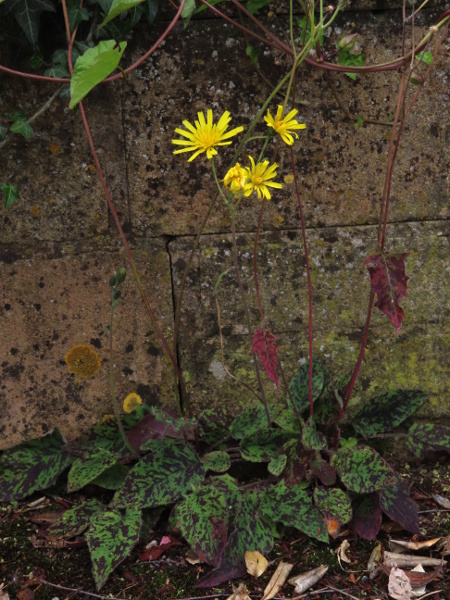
27	557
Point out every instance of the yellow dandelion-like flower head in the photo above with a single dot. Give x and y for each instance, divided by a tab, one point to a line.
284	126
259	178
205	135
131	401
235	179
107	418
83	361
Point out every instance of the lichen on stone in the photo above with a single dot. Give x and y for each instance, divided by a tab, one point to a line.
82	360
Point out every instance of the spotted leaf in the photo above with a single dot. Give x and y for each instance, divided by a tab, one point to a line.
335	506
362	469
84	470
298	386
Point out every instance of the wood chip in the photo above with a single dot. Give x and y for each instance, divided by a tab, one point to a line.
304	581
277	580
393	559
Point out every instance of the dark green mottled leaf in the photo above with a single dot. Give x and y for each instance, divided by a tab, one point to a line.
160	478
84	470
335	506
299	384
429	436
32	466
76	520
311	438
112	478
250	421
76	13
217	461
321	469
263	445
277	465
362	469
213	424
328	408
384	413
293	507
287	420
110	539
397	504
297	463
202	518
366	520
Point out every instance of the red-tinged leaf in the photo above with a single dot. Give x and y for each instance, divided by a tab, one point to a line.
366	520
397	504
388	281
263	345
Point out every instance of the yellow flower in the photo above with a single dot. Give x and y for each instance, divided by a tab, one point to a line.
259	177
284	126
235	179
83	361
131	401
107	418
205	135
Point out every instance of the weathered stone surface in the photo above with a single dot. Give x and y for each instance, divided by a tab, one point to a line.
418	357
50	305
341	169
60	196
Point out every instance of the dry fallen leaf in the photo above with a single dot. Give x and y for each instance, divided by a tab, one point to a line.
444	502
417	578
392	559
444	545
304	581
192	558
418	591
277	580
399	586
341	553
398	545
256	563
239	593
3	595
374	561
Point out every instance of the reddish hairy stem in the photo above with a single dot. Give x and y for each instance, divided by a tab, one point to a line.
308	279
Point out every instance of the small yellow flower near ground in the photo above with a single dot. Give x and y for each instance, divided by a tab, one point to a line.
82	360
284	126
107	418
205	135
289	179
235	179
131	401
259	176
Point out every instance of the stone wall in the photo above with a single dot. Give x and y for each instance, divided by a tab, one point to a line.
59	246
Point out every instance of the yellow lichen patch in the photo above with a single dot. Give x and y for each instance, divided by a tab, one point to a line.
55	149
35	211
83	361
131	401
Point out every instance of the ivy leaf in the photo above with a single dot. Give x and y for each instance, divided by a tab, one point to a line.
11	194
92	67
263	345
388	281
118	7
32	466
362	469
76	13
160	478
202	518
22	128
386	412
111	537
28	13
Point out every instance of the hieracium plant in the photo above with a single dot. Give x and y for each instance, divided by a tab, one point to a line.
316	474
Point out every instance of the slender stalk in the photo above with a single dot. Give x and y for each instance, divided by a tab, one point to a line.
112	387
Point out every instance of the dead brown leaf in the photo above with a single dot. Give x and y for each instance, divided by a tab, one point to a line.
304	581
444	502
397	545
239	593
192	558
256	563
374	561
341	553
393	559
399	586
277	580
3	594
416	578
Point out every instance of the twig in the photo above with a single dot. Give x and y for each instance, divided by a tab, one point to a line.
37	114
327	590
76	590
